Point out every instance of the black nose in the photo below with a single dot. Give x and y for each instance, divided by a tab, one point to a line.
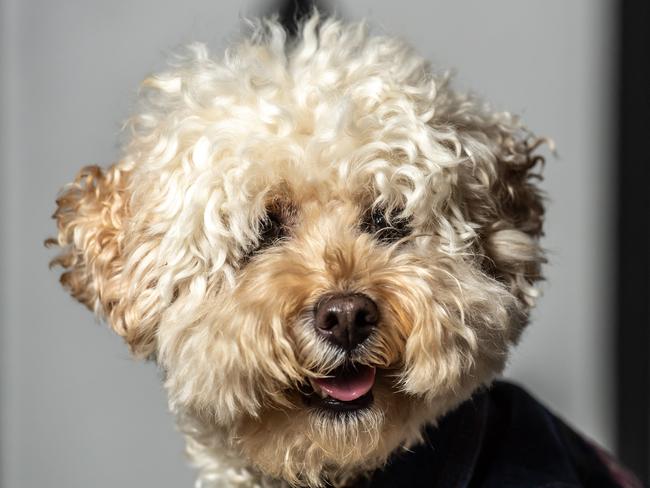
346	320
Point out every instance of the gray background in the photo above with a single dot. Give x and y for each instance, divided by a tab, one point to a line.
75	410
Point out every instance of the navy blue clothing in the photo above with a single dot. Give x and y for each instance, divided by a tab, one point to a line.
500	438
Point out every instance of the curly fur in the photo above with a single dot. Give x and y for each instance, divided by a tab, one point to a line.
164	244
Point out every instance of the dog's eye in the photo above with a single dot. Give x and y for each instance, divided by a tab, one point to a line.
272	229
384	230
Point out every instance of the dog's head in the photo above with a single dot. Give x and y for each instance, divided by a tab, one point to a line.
320	242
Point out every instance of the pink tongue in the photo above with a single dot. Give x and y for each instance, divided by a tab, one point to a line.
350	385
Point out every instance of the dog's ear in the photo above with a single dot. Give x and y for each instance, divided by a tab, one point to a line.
503	201
91	215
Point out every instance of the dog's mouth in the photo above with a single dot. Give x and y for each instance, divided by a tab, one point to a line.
348	387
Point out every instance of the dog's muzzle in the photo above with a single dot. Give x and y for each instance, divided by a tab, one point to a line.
345	321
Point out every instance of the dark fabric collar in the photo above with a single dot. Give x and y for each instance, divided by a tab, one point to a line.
500	438
446	458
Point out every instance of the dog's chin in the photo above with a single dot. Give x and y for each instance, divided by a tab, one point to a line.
345	391
340	425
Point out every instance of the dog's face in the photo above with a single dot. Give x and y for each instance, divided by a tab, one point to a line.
323	246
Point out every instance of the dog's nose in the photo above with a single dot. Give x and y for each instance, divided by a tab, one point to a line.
346	320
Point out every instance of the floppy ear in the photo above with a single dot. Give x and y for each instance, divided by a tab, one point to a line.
505	204
91	217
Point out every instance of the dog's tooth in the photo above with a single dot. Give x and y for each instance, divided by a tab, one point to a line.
318	390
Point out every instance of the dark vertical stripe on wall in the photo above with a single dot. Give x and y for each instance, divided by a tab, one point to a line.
633	324
292	12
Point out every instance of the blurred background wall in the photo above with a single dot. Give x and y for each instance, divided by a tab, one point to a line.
75	411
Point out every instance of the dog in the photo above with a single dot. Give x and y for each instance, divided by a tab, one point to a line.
325	247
